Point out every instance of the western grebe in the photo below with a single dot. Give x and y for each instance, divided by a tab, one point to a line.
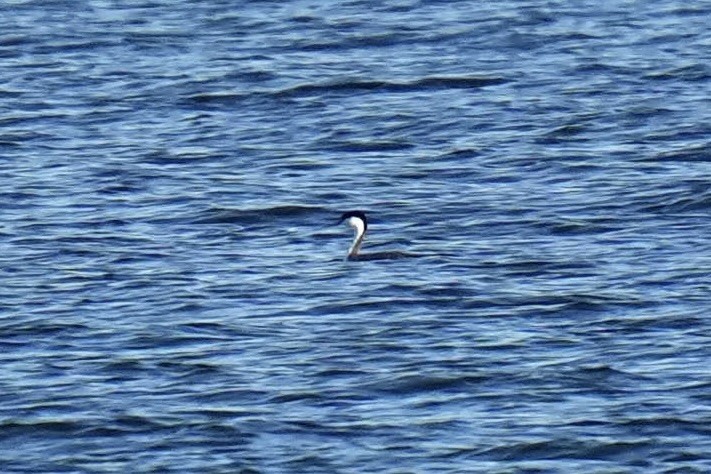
359	222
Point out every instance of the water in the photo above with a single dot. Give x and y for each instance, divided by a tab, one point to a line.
174	296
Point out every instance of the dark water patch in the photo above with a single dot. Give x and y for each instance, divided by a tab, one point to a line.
632	451
688	10
226	396
333	374
222	415
14	429
125	423
591	226
644	114
692	153
678	139
422	85
460	154
642	325
525	267
215	328
665	426
561	304
453	291
372	305
691	73
690	198
684	205
222	99
381	40
296	397
29	329
612	68
306	165
191	370
562	134
126	369
369	147
410	385
71	44
604	373
259	216
255	76
5	143
14	40
184	157
230	98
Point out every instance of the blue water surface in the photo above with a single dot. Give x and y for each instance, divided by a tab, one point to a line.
173	291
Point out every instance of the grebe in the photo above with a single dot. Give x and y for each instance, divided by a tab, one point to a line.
359	222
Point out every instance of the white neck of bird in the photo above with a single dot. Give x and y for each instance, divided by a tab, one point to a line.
359	227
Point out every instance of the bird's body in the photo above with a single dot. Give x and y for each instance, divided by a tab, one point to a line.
359	222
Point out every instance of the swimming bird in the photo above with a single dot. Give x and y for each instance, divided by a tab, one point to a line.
359	222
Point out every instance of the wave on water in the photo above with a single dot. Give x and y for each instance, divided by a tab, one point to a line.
423	85
218	215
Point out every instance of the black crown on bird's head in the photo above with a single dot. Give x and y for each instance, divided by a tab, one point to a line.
359	214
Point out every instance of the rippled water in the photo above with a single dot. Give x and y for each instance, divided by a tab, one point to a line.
174	295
